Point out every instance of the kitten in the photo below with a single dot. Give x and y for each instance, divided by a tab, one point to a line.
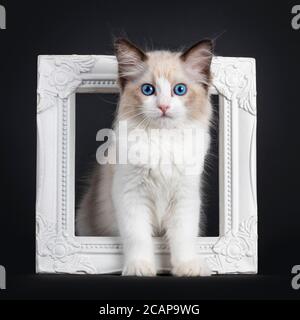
158	90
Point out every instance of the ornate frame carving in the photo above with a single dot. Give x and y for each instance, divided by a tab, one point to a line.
58	250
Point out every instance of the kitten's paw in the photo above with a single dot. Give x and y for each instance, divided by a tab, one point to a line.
142	268
192	268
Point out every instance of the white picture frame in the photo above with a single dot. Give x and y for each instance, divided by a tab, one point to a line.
58	250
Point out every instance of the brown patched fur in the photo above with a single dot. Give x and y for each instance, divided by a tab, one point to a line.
170	66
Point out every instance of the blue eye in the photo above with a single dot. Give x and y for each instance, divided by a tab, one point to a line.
148	89
180	89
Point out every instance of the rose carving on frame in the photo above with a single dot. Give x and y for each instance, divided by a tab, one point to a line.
234	80
234	251
60	77
61	249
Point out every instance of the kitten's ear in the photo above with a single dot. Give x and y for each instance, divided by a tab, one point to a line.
130	58
197	60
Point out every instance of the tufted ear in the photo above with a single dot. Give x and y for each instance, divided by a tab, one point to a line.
197	60
131	60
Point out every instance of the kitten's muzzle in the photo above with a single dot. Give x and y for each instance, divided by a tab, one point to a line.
163	108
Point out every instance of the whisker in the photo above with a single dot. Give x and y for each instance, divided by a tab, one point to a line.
137	127
129	118
107	101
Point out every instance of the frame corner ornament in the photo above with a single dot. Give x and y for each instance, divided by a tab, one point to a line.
236	252
58	252
60	76
234	78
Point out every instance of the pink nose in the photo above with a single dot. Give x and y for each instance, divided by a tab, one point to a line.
163	108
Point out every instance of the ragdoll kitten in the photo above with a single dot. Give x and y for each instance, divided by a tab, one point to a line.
158	90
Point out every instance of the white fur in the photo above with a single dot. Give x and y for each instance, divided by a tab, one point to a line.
146	200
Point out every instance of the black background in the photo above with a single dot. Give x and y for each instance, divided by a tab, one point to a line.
249	29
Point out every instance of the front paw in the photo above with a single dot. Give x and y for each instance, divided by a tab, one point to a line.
141	268
192	268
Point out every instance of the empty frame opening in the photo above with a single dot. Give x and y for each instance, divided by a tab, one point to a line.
95	111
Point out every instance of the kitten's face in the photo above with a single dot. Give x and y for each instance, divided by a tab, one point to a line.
163	89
